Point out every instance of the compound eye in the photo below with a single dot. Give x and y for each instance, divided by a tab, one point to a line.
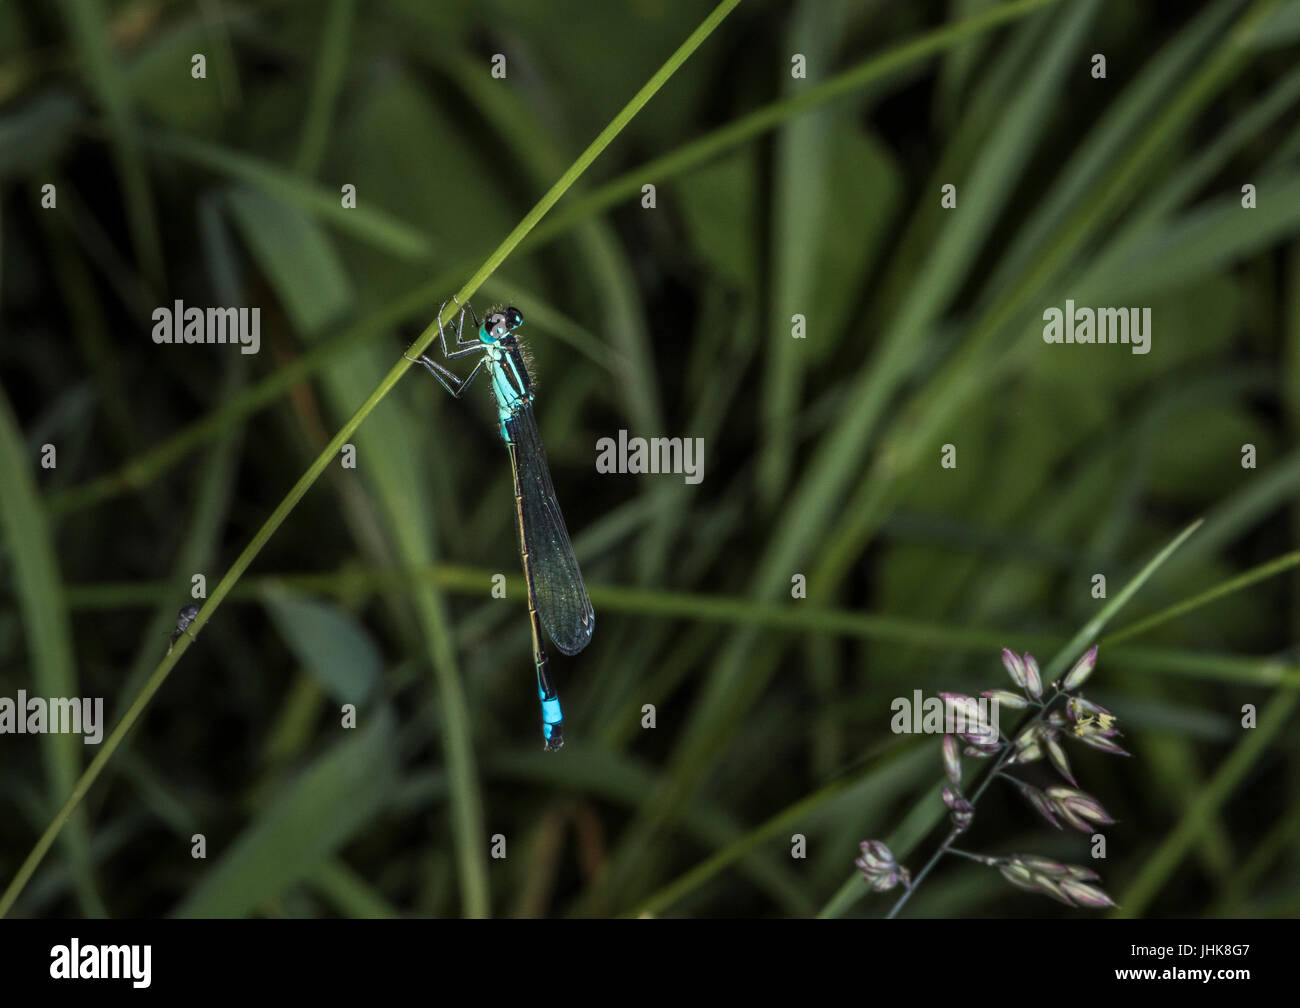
513	319
492	323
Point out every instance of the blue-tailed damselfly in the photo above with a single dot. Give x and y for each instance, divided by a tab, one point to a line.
557	598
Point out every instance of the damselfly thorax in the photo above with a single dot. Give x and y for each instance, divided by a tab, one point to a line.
511	385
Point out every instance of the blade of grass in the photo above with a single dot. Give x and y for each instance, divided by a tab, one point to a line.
39	587
615	777
584	160
212	496
799	198
308	821
304	483
148	466
760	121
91	36
328	81
1129	113
1201	813
643	603
1090	630
364	222
408	521
602	261
350	893
1244	580
1277	844
603	265
877	784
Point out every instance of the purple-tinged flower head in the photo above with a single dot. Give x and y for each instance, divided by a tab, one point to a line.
959	706
965	719
952	759
1078	675
1082	811
961	812
1043	865
983	750
1056	753
879	868
986	738
1028	747
1068	884
1041	803
1005	698
1017	874
1093	725
1085	895
1081	710
1033	677
876	856
1014	666
1104	744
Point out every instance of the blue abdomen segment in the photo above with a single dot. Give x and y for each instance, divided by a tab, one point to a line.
552	722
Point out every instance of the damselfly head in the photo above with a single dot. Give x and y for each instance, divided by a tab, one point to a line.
502	321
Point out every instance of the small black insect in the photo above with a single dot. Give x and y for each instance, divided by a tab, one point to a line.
183	620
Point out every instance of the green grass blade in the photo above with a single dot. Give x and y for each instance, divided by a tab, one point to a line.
364	222
340	885
330	71
90	33
760	121
297	257
329	644
1200	815
311	818
583	162
39	587
876	786
1270	569
1090	630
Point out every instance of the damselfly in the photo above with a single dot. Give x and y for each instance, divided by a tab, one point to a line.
557	598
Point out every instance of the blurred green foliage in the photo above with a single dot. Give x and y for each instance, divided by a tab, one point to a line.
821	455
